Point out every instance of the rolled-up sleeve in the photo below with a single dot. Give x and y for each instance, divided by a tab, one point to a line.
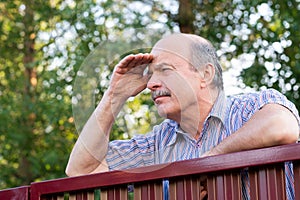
136	152
243	107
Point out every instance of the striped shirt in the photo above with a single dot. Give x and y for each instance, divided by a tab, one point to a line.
167	142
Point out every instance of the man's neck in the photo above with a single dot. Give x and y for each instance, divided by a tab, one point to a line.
193	118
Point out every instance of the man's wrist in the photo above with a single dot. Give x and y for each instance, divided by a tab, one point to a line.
115	98
110	104
212	152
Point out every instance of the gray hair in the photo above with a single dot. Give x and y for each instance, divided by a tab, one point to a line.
204	53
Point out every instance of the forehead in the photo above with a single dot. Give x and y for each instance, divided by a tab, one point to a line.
177	49
173	46
167	59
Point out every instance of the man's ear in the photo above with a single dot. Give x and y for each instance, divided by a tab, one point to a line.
207	75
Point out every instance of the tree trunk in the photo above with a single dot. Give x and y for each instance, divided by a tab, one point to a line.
30	82
186	16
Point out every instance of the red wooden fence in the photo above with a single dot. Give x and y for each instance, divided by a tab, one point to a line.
19	193
220	174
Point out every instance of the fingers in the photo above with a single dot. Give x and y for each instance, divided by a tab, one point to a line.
203	187
203	194
132	61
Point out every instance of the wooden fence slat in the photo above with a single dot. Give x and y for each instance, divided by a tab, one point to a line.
60	196
224	186
211	187
72	196
119	192
276	182
296	167
158	190
176	189
228	187
237	186
271	184
267	182
192	188
110	194
196	184
187	188
172	189
103	194
137	192
150	190
262	180
107	194
144	191
220	187
123	193
232	186
253	177
280	176
179	184
81	195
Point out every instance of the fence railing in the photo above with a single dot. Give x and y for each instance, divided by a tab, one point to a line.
220	175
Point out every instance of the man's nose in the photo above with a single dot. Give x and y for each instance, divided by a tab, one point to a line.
154	83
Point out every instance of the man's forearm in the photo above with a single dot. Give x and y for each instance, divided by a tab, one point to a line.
270	126
90	149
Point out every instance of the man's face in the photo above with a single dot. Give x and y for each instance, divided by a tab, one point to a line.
174	84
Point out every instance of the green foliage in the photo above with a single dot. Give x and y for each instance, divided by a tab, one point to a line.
44	44
275	41
266	30
35	119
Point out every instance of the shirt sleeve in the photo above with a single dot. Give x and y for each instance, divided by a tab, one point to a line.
136	152
269	96
273	96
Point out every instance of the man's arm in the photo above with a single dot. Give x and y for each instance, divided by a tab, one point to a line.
89	152
270	126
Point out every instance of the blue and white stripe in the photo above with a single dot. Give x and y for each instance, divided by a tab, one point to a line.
168	142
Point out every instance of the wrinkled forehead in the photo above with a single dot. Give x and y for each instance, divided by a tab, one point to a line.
176	44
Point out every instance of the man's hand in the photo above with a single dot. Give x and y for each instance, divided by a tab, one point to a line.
128	78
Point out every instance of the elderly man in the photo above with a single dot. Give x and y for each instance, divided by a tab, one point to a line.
185	79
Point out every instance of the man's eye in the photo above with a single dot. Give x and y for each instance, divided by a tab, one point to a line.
165	69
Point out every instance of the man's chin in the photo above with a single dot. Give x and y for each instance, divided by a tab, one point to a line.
162	113
165	114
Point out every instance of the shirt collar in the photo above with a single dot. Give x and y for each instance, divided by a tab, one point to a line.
219	109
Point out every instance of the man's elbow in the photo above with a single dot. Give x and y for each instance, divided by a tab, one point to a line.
288	137
73	169
291	135
70	171
287	129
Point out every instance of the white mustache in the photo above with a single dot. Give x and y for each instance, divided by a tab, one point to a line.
158	93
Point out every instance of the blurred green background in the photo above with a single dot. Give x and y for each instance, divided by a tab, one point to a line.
43	43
